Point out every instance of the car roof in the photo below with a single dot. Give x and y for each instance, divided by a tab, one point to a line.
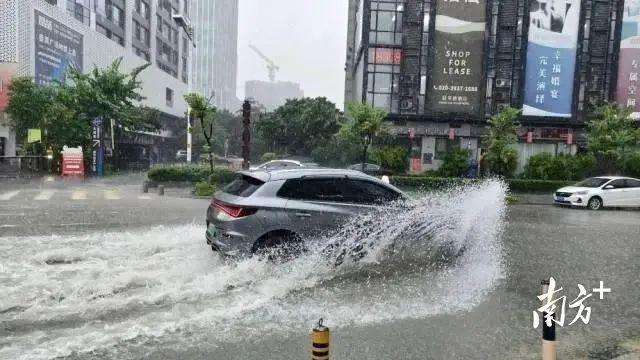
283	174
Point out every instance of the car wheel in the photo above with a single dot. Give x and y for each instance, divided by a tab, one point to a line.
279	246
595	203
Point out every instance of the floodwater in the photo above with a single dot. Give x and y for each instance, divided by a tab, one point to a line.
463	285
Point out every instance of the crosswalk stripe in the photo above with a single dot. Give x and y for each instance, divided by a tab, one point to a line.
112	194
144	197
79	195
44	195
8	195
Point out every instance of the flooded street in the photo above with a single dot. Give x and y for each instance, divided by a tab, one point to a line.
143	283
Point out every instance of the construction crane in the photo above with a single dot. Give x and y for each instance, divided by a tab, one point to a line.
272	68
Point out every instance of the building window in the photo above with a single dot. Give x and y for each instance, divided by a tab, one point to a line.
142	8
79	9
52	2
140	33
386	22
111	12
108	33
169	97
383	78
164	5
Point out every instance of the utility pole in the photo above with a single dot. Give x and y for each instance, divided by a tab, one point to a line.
246	134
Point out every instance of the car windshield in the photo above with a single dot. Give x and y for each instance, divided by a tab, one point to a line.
592	182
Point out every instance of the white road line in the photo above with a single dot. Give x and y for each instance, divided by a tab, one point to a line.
144	197
8	226
112	194
74	224
8	195
13	214
44	195
79	195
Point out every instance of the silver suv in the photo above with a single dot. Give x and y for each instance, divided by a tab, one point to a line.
261	210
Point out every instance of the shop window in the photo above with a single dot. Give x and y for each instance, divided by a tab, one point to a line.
444	146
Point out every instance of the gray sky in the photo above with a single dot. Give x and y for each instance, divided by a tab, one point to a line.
306	38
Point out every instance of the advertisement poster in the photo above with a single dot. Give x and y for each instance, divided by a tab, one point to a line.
551	57
629	65
456	79
56	48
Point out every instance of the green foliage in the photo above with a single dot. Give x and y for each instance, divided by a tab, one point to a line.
501	157
632	164
299	126
204	188
455	164
612	135
545	166
268	156
337	151
516	185
191	173
65	110
364	126
394	158
202	110
222	175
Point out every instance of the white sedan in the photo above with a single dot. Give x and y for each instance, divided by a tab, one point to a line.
597	192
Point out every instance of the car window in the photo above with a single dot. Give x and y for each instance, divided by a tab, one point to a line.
243	186
618	184
367	192
632	183
319	189
592	182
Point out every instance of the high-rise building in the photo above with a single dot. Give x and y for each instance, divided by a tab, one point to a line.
441	69
272	94
42	38
215	57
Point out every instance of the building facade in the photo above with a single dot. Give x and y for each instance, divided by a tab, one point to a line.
215	57
442	68
272	94
42	38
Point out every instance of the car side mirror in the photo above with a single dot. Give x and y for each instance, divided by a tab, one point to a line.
608	187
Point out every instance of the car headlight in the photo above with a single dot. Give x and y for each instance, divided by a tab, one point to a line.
581	192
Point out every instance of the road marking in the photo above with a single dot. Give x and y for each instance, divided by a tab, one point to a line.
8	195
144	197
13	214
79	195
112	194
49	179
44	195
8	226
74	224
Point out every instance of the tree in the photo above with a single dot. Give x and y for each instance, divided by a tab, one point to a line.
65	111
202	110
300	125
612	136
502	158
364	126
29	105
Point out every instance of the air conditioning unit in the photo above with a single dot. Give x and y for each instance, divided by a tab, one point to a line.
501	82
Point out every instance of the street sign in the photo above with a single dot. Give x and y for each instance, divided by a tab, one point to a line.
34	135
97	155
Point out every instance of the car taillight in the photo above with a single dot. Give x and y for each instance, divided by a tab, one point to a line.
234	211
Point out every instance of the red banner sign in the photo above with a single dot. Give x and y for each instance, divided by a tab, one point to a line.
412	133
385	56
72	165
529	137
452	133
416	164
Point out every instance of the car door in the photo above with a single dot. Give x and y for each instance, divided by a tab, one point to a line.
613	193
315	205
633	192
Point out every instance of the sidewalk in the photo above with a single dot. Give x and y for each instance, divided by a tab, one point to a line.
533	199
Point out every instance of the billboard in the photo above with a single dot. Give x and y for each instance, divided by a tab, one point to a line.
456	78
629	63
551	57
56	48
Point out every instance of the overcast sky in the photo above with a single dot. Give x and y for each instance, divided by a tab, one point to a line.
306	38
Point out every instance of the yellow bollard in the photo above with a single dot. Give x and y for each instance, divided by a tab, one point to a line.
320	342
548	332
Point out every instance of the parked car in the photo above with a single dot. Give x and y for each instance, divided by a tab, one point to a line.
602	191
181	155
371	169
276	208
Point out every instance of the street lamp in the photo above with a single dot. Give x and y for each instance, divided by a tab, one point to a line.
181	21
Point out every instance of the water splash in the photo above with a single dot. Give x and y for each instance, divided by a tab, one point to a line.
100	290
